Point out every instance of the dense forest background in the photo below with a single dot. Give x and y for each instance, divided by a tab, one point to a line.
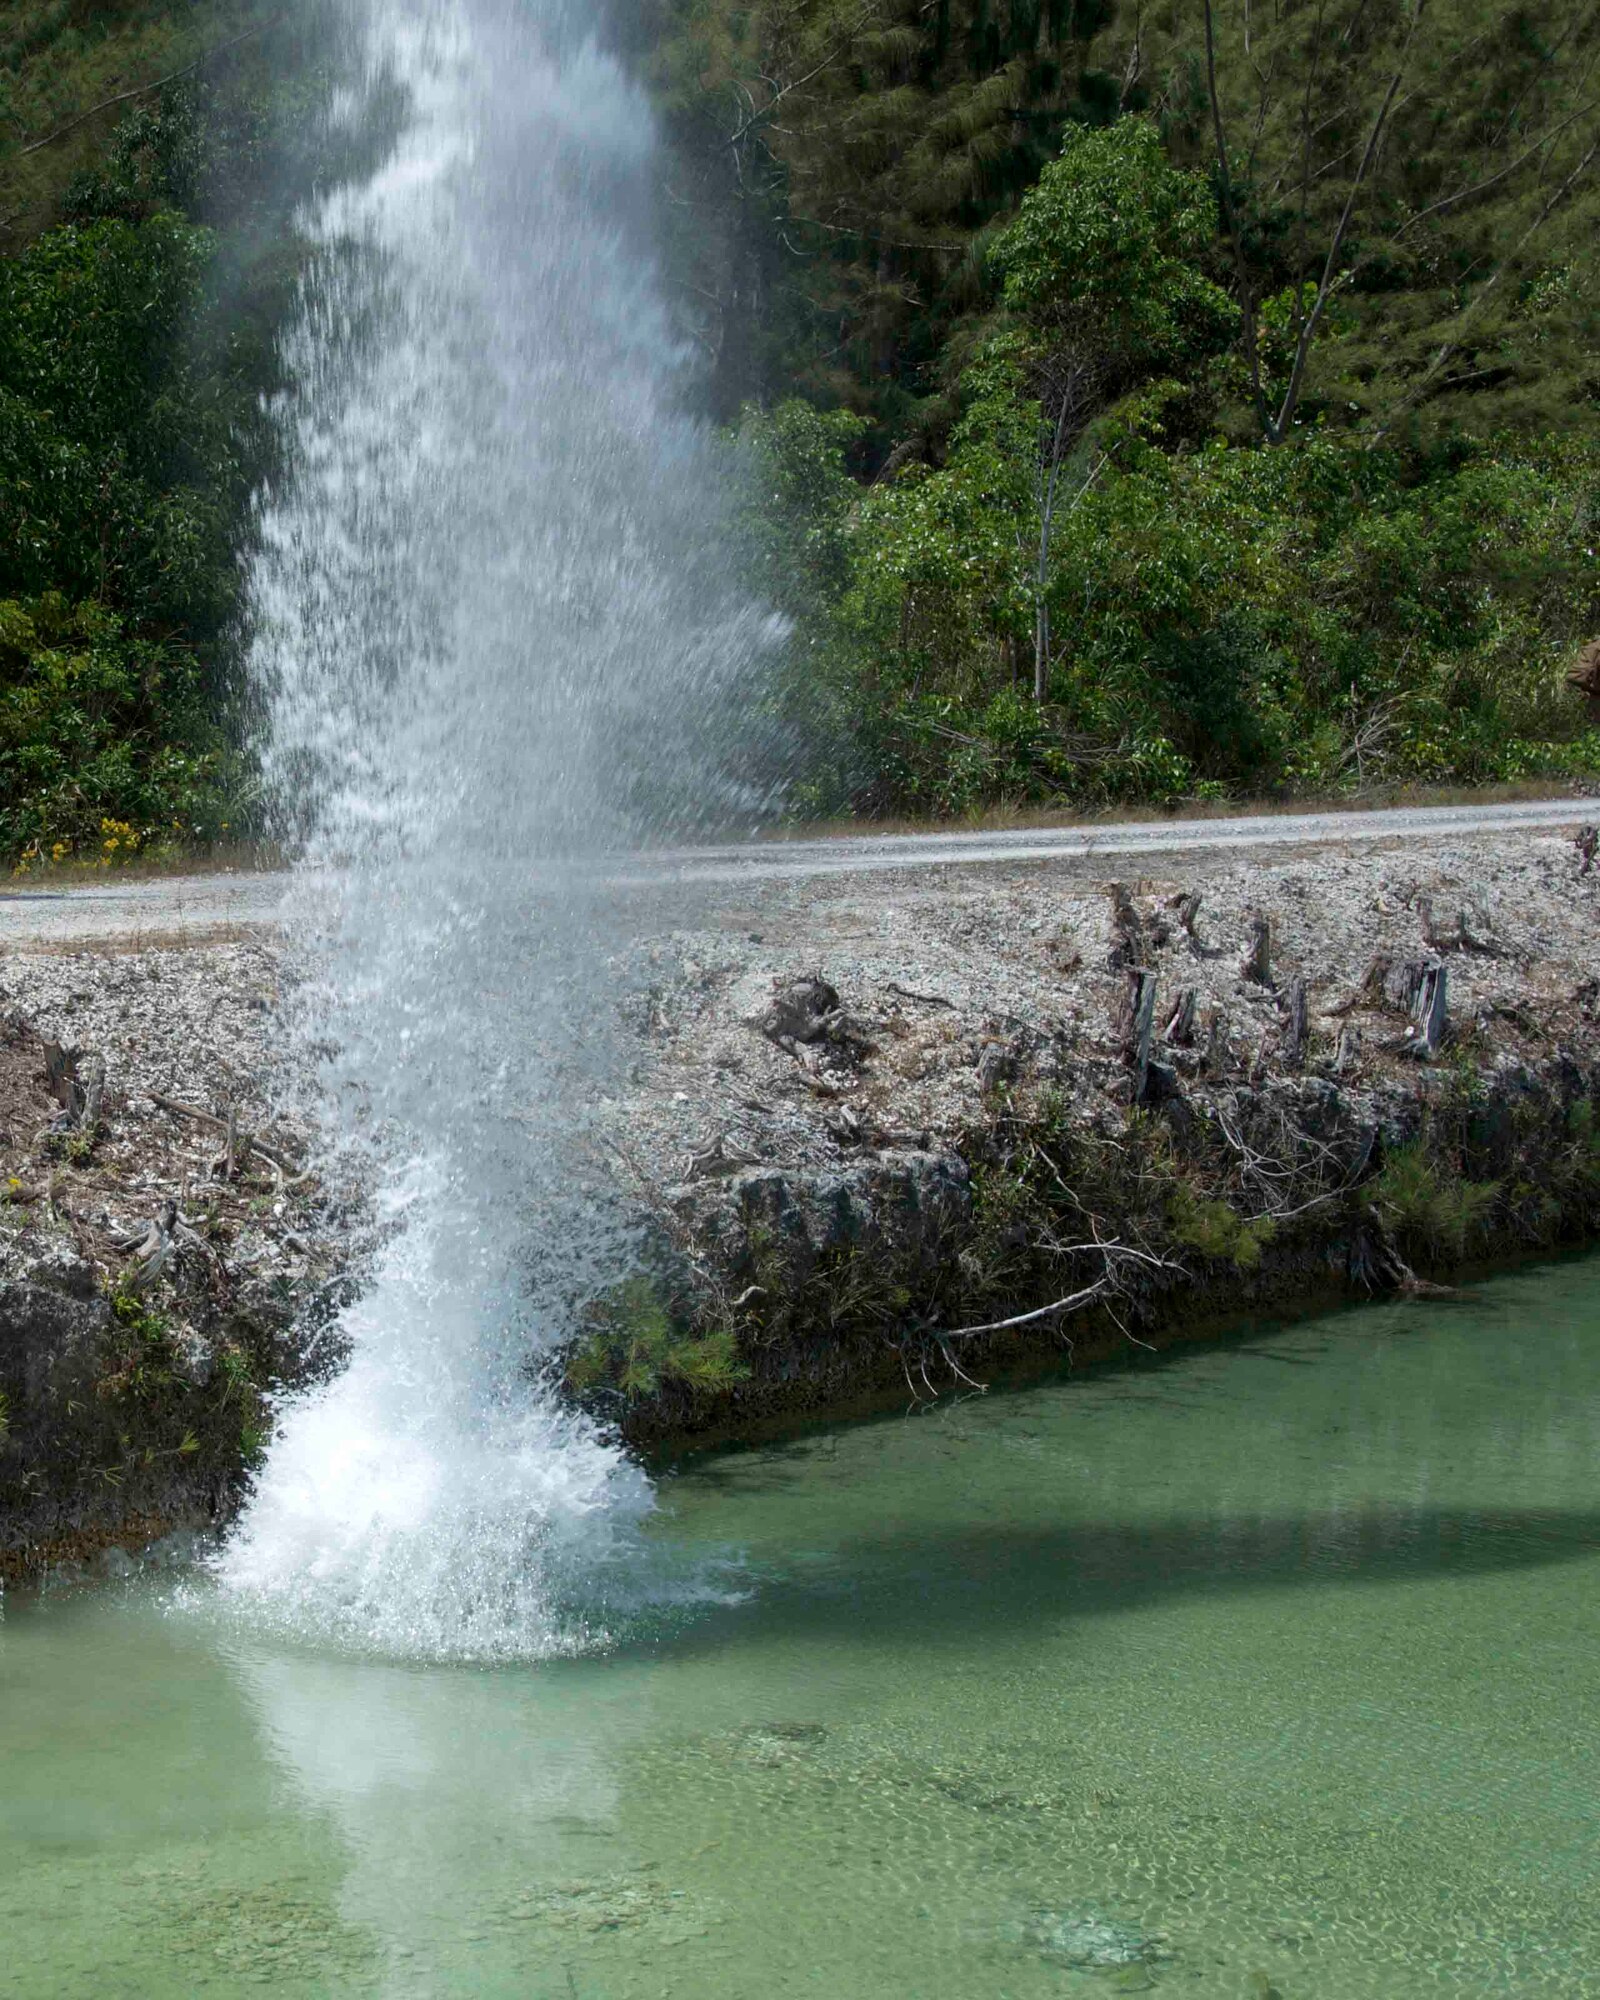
1123	401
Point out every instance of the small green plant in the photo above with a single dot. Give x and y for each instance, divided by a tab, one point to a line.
1438	1211
234	1371
1216	1230
143	1359
637	1345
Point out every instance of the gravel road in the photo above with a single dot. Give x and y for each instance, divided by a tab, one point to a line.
197	909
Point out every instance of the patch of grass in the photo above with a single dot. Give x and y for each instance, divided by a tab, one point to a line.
143	1358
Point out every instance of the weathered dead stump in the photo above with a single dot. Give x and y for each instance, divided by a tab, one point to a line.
800	1011
1127	930
1136	1019
1433	1013
1403	983
1179	1031
1587	842
1465	937
77	1082
1186	908
1296	1029
1430	1014
1256	965
1347	1051
1218	1052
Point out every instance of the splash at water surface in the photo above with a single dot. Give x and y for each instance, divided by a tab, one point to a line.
496	636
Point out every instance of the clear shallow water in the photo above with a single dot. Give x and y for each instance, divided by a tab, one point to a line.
1271	1667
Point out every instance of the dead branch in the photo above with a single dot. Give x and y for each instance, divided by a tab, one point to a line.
247	1142
1072	1303
922	999
144	89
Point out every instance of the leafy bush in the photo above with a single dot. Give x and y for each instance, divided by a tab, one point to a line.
1427	1206
636	1345
138	350
1217	1230
1231	619
107	742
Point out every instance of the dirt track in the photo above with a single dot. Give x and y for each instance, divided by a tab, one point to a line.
200	909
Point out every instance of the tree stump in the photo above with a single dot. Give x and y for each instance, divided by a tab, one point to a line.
1127	931
1136	1019
1256	965
1296	1032
1179	1030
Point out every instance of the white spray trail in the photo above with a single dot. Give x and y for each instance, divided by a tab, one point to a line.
495	638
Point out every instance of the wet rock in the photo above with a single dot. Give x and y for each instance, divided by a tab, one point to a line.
48	1346
58	1267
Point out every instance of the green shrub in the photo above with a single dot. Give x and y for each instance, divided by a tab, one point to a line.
1428	1206
635	1346
1217	1230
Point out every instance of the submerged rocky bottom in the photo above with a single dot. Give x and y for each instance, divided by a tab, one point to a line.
1264	1669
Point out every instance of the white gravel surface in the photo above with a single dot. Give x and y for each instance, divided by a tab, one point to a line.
197	908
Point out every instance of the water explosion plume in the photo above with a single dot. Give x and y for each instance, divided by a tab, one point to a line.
496	638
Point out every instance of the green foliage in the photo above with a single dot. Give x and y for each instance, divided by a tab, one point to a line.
635	1346
60	59
1104	253
995	233
1216	1229
138	353
1427	1204
1311	619
799	499
100	730
141	1366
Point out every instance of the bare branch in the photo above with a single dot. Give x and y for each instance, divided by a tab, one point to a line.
145	89
1066	1305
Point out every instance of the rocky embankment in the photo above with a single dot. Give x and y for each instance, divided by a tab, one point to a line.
886	1136
906	1135
165	1262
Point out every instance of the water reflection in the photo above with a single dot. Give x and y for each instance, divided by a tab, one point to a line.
455	1796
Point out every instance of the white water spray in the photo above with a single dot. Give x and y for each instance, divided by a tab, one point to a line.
496	639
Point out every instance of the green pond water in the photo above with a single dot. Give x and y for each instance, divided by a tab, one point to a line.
1273	1668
